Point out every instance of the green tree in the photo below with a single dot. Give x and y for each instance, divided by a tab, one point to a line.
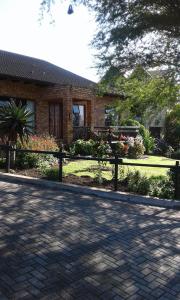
141	95
146	98
145	32
172	127
15	122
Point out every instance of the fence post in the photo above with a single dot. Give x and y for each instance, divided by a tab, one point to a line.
177	181
60	156
116	172
8	157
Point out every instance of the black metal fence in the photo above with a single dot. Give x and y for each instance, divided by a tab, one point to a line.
116	161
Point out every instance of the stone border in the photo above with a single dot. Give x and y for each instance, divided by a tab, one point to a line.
103	193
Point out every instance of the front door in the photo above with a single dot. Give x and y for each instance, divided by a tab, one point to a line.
56	120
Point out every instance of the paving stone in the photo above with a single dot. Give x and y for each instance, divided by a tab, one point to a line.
61	245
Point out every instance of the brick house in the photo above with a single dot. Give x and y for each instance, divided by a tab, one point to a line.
59	98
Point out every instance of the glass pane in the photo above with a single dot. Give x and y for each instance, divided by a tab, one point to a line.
111	117
78	115
31	107
81	115
3	102
76	109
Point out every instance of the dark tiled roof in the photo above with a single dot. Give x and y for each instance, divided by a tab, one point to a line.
28	68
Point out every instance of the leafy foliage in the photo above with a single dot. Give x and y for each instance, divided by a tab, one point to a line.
138	183
176	154
82	147
119	149
98	148
137	150
172	127
145	98
156	186
132	32
162	187
15	122
148	140
27	160
51	173
39	142
33	160
162	148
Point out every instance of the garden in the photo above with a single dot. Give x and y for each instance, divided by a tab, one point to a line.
142	180
88	162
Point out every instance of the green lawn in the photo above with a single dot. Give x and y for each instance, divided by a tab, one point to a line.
88	168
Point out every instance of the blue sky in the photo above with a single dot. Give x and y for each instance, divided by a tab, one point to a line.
66	43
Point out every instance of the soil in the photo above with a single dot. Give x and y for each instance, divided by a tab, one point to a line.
73	179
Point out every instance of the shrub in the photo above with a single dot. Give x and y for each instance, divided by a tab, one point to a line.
162	148
138	183
121	173
137	150
119	149
176	154
102	149
172	127
99	136
51	173
33	160
90	147
148	140
130	122
45	162
162	186
39	142
27	160
15	122
156	186
82	147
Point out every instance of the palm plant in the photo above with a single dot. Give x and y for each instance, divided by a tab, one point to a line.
15	121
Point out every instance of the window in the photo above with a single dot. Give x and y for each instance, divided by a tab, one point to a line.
111	118
3	102
78	115
29	105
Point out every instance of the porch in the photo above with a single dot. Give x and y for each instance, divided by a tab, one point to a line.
83	132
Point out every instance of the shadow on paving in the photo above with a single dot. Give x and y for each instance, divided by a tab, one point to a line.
70	246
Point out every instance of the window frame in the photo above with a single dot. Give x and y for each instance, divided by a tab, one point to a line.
84	113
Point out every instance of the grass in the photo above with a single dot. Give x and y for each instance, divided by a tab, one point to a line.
88	168
85	168
150	171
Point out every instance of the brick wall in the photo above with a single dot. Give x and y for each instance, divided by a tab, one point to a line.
99	111
67	95
43	95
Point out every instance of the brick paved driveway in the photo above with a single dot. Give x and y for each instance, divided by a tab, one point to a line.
59	245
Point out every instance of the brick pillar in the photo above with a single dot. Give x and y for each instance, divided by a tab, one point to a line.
67	116
90	113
